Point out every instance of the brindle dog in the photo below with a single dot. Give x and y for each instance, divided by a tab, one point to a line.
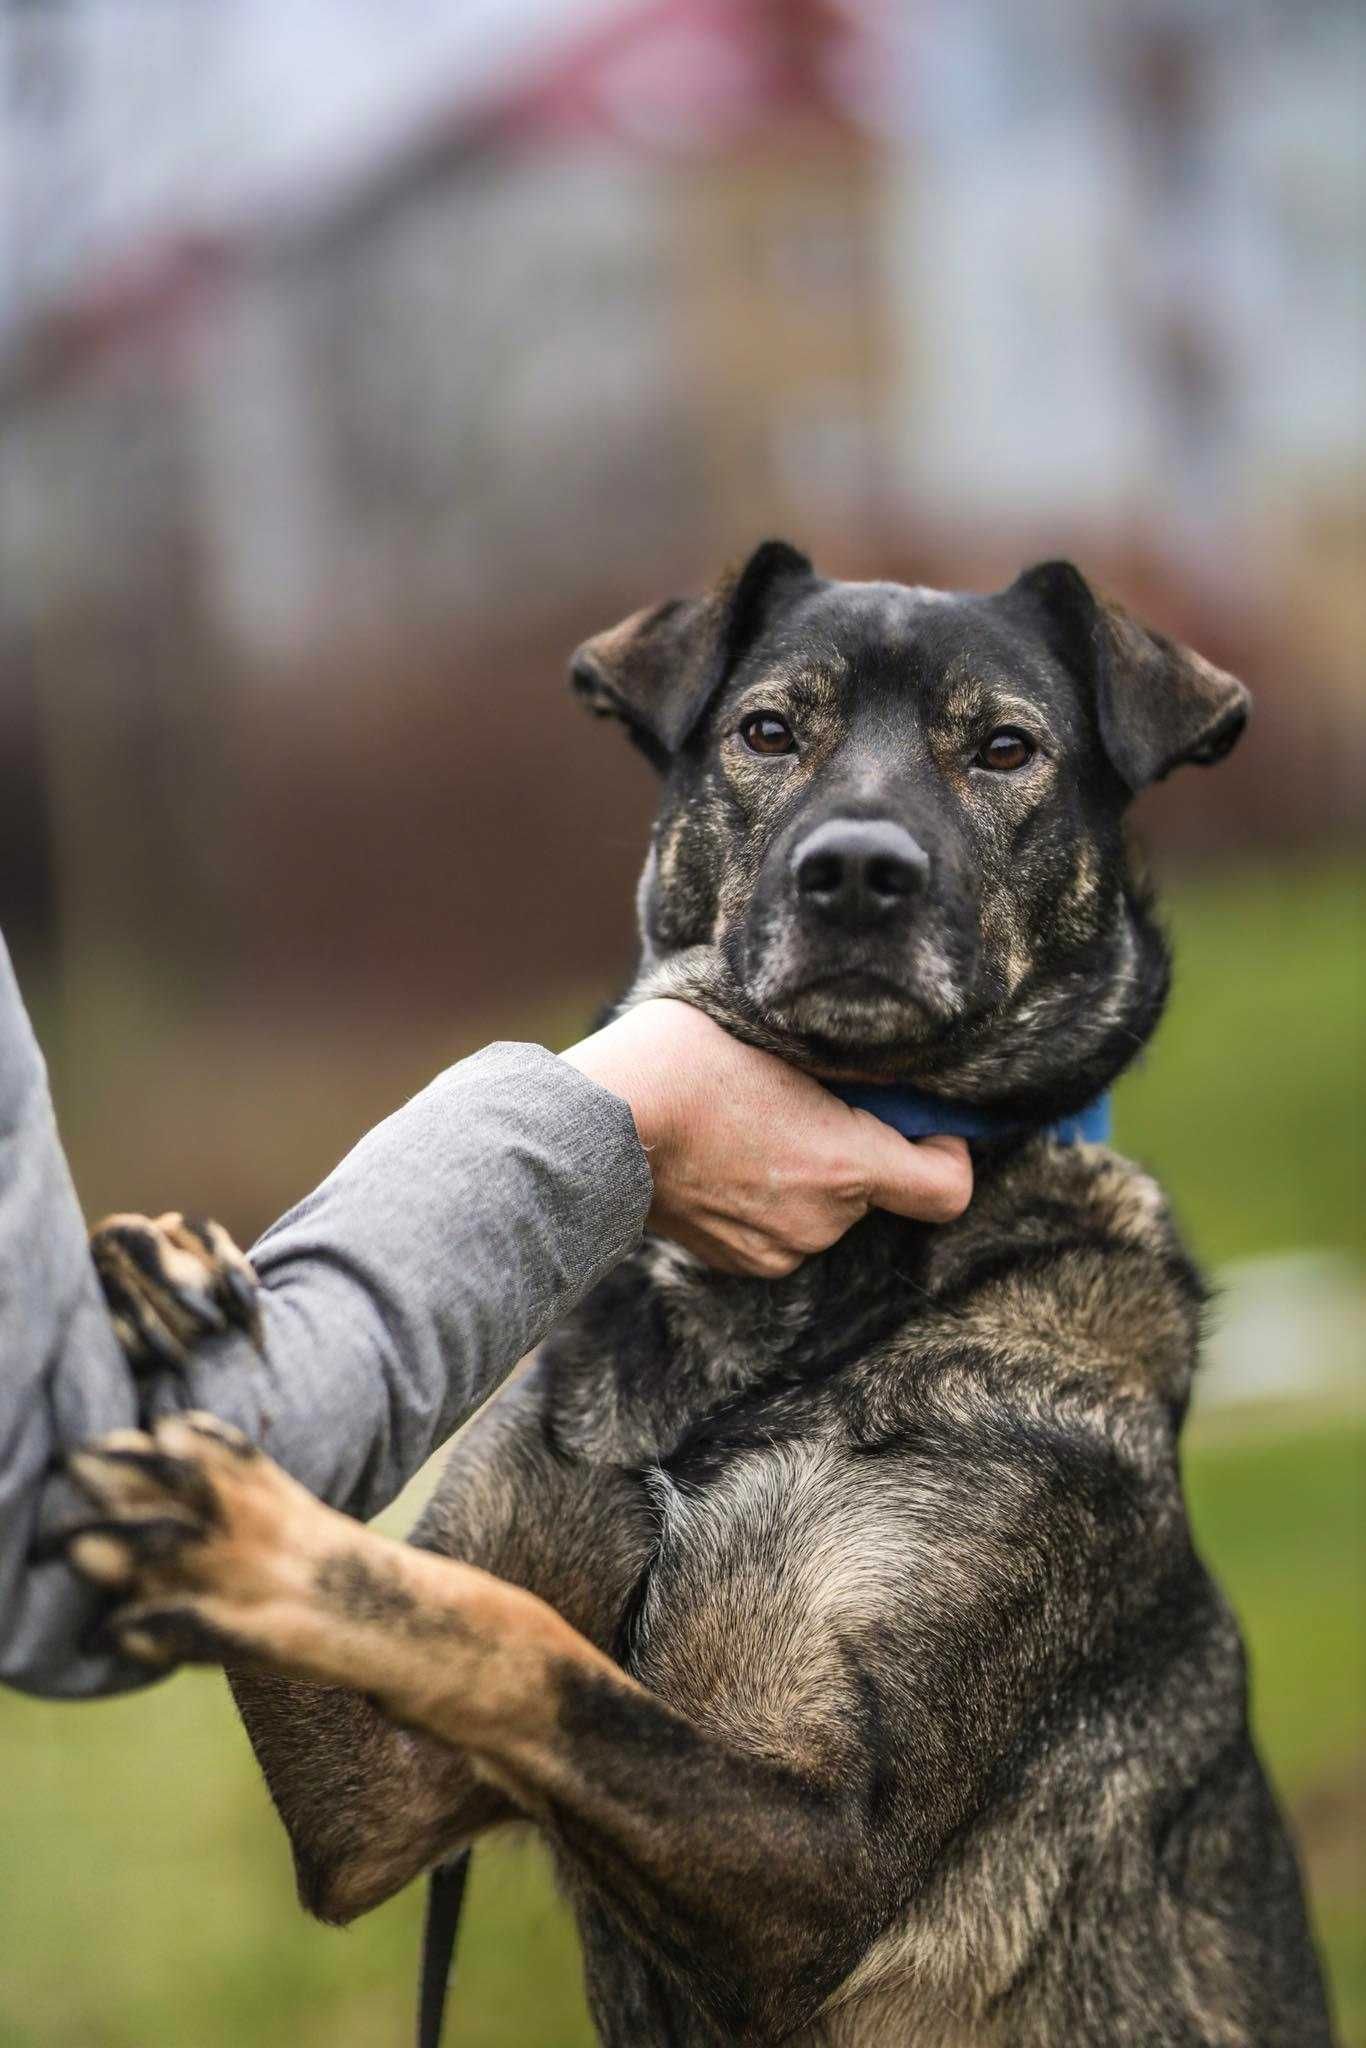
843	1633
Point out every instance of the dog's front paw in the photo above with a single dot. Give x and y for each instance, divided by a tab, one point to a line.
183	1535
171	1280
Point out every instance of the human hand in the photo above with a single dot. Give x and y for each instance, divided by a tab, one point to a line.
755	1165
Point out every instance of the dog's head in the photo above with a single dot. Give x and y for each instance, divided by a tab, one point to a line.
891	837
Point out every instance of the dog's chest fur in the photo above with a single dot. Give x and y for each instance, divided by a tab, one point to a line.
812	1448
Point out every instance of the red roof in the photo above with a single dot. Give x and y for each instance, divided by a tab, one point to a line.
155	291
685	76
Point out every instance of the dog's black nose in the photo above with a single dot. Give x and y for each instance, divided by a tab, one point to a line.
858	873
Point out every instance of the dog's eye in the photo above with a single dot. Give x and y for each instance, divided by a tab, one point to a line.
763	732
1006	749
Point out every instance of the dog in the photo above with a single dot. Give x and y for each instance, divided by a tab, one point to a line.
842	1632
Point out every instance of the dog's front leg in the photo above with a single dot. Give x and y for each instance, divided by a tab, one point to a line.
724	1866
220	1554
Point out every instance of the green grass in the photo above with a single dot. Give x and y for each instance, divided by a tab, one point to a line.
147	1901
1250	1104
1280	1516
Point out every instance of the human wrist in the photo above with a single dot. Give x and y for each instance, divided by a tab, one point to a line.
627	1058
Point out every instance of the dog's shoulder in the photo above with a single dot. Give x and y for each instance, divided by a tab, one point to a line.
1068	1272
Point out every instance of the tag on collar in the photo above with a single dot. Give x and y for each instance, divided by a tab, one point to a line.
917	1115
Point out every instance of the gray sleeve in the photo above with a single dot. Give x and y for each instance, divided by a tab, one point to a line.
395	1298
62	1375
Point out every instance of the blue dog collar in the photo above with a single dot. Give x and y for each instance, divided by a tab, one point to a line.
917	1115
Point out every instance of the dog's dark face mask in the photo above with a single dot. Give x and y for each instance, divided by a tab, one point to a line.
891	838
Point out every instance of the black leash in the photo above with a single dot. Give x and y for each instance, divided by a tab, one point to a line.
445	1897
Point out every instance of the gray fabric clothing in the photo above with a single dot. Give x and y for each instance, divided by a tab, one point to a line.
394	1300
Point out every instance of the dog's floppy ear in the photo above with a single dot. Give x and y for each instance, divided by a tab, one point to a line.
659	669
1159	705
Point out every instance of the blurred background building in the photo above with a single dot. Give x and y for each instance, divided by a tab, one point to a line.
356	360
361	358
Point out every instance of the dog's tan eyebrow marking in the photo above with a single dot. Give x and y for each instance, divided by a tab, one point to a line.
972	698
964	700
805	686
